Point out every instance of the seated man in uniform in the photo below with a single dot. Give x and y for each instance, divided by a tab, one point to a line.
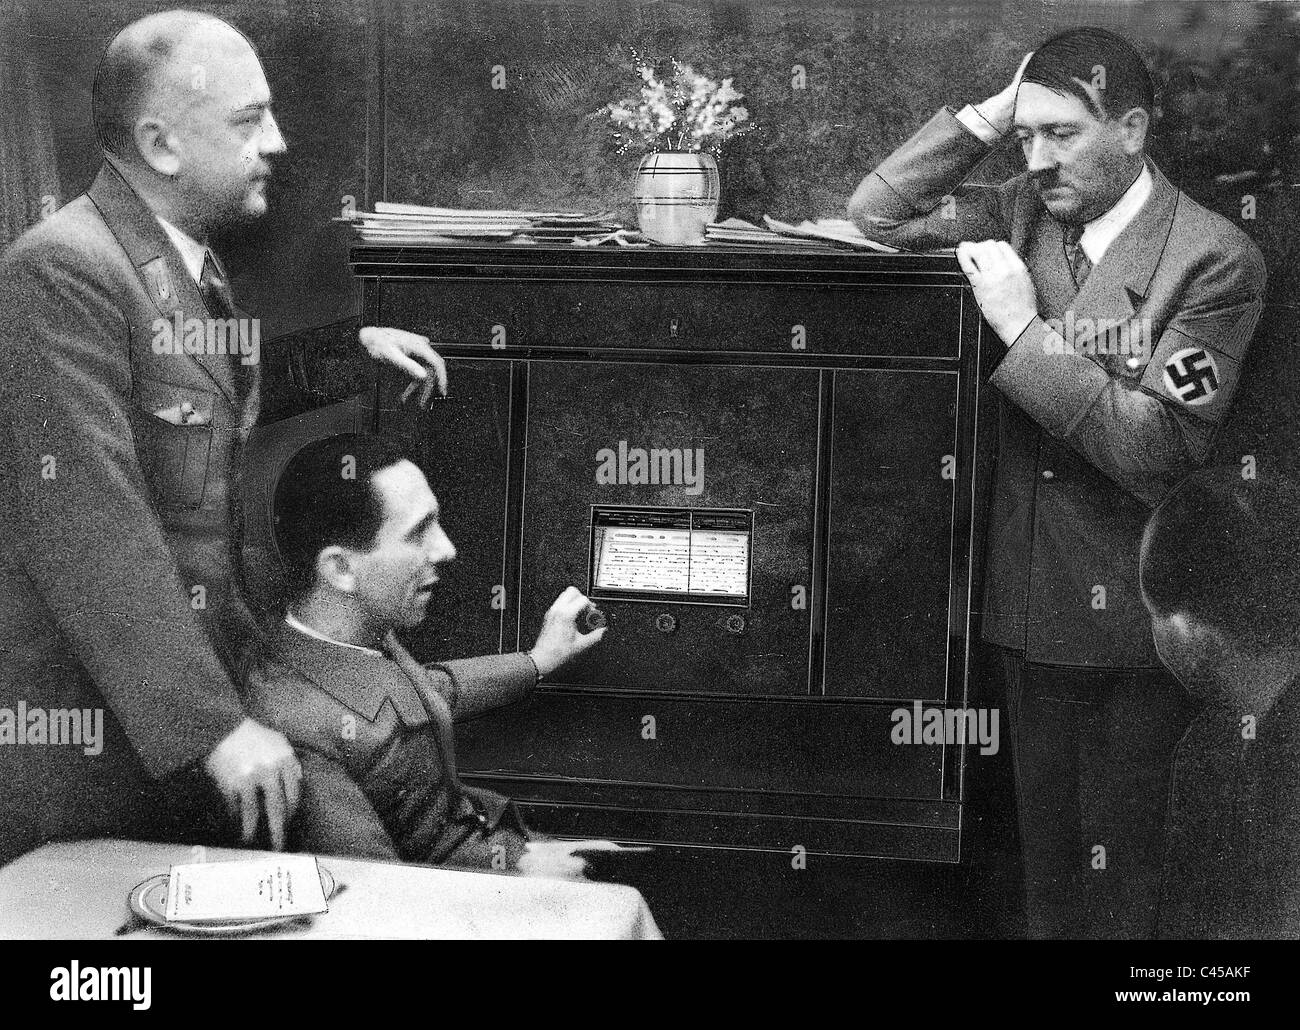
359	530
1220	573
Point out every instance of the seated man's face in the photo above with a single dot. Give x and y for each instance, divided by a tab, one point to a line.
396	577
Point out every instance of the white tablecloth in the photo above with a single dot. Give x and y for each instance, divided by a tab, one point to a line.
79	890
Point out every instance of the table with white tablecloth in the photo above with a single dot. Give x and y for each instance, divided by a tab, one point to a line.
78	890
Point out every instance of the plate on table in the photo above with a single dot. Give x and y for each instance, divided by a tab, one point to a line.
148	902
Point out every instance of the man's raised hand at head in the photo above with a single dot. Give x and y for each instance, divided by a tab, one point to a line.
999	109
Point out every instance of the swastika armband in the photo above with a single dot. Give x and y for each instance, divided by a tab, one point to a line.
1197	363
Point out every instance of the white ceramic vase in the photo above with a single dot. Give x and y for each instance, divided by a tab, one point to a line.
677	196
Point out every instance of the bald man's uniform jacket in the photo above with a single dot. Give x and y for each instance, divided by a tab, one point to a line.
374	735
119	458
1088	443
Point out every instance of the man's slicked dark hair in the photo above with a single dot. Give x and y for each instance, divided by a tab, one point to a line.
325	498
1226	550
1081	54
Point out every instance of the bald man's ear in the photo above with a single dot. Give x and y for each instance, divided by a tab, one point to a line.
1133	126
157	146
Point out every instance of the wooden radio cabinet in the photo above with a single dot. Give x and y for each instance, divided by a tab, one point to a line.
829	401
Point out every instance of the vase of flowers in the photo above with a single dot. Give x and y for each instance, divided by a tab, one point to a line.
681	122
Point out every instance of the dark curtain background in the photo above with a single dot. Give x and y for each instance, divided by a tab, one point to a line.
29	177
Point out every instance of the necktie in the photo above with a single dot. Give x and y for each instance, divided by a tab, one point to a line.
220	302
216	290
1080	266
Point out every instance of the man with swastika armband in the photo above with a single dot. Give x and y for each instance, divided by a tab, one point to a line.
1124	310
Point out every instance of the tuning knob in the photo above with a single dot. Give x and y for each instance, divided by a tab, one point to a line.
592	619
734	623
666	622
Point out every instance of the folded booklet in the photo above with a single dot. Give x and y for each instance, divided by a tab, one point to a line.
260	888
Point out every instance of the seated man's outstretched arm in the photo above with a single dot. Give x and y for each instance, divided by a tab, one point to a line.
472	686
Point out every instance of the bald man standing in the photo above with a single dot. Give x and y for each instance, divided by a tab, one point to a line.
130	385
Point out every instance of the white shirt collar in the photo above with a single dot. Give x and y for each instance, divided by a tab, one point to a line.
304	628
193	253
1101	232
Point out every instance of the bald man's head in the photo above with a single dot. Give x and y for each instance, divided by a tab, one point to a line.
180	97
139	70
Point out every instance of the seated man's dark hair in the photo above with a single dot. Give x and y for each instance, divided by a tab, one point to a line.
1226	550
1098	57
325	497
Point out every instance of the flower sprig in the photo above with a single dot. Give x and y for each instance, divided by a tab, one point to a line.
690	111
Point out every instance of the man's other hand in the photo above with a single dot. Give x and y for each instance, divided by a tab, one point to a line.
412	354
557	860
1003	287
560	641
999	109
255	760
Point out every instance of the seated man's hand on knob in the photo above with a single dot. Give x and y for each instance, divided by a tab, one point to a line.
560	639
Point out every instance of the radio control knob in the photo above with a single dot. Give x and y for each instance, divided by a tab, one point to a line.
734	624
593	618
666	622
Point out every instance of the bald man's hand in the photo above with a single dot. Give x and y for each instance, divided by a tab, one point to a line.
255	769
412	354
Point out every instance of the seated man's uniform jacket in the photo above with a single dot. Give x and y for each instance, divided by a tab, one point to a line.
374	735
1232	853
1089	442
118	461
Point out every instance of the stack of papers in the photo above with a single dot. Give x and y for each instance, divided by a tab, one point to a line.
413	223
736	232
831	230
824	234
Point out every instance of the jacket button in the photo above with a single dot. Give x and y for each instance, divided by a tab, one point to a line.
1048	474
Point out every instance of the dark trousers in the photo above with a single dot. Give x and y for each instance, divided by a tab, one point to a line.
1092	751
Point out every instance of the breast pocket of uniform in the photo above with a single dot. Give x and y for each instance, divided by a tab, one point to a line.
173	439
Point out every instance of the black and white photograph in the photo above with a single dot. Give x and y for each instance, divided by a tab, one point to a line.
651	470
